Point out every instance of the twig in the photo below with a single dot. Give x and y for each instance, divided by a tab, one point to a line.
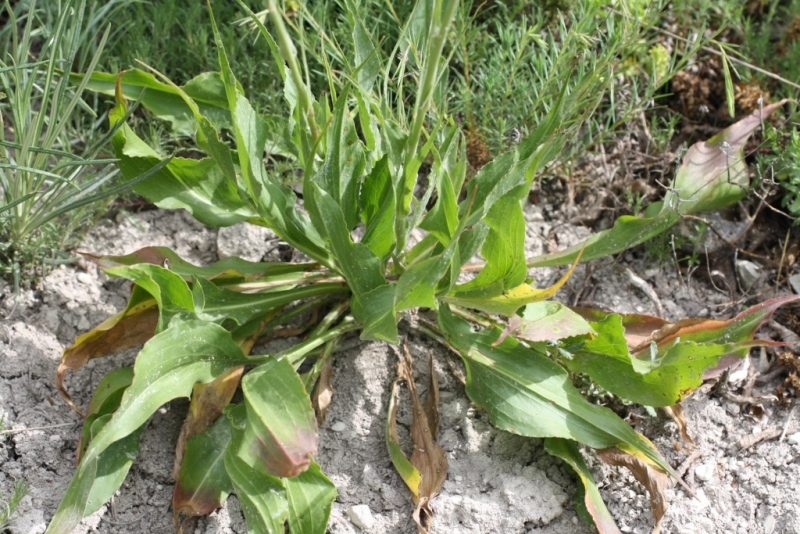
788	420
646	289
745	442
18	430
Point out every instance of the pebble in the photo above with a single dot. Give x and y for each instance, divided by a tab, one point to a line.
338	426
54	438
748	272
85	279
794	439
705	472
361	516
794	281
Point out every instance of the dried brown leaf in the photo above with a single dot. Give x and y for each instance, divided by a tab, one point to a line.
208	401
323	392
125	330
677	414
654	480
428	457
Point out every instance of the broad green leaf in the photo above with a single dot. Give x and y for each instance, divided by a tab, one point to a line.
281	431
378	309
263	497
167	368
587	499
367	57
377	209
713	175
198	186
112	465
360	267
311	496
164	101
105	401
526	393
228	269
203	483
217	304
546	321
343	168
662	381
672	366
170	291
504	250
276	203
507	302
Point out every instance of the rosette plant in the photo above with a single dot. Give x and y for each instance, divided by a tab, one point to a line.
389	215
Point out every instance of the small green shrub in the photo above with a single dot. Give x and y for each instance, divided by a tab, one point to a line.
361	147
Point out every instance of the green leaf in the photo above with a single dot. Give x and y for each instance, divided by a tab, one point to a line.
526	393
504	250
263	497
198	186
673	366
360	267
164	101
218	304
340	174
167	368
713	175
276	203
378	309
311	496
281	431
203	484
228	269
170	291
546	321
662	381
366	55
377	209
587	499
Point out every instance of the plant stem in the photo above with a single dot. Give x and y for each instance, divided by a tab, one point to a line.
297	353
287	49
443	17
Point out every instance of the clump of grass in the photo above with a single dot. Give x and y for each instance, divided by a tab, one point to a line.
9	506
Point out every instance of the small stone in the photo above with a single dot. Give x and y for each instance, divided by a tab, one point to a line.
748	273
361	516
338	426
794	439
705	472
85	279
54	438
83	323
794	281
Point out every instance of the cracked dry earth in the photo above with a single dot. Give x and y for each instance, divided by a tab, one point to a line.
497	482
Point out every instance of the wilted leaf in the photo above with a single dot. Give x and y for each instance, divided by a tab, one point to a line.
281	431
677	414
208	401
713	175
654	480
426	472
587	499
168	367
127	329
323	392
546	321
203	483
